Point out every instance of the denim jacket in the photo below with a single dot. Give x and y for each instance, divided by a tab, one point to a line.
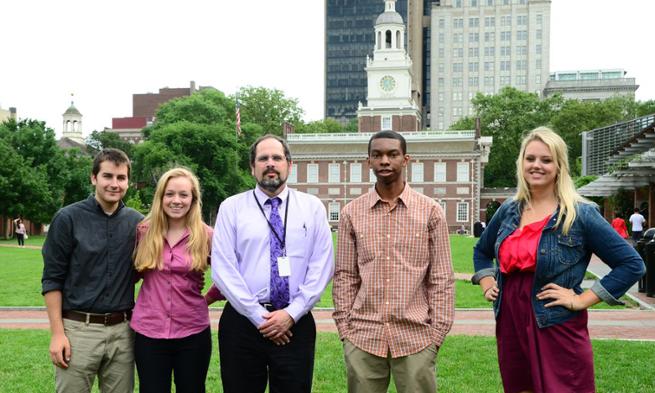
562	259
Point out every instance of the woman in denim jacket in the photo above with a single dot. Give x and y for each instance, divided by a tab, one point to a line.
542	240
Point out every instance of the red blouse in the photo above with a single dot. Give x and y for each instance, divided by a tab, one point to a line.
519	250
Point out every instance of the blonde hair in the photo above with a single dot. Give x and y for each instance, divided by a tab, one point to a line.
148	254
565	191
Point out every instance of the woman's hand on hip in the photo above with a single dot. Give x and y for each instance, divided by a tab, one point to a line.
561	296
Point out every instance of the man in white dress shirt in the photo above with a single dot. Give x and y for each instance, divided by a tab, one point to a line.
272	257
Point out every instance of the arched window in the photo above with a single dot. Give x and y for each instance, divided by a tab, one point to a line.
388	39
397	39
379	40
68	125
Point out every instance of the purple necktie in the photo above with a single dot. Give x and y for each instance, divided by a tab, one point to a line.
279	285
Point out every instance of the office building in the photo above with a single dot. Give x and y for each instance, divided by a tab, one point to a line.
591	85
482	46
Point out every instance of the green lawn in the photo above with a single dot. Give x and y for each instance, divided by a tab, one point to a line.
465	365
31	241
21	268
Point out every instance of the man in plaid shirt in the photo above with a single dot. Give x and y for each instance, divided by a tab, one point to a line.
393	286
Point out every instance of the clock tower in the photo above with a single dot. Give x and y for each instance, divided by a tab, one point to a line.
390	105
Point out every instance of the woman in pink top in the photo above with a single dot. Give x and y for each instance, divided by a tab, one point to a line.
171	318
618	223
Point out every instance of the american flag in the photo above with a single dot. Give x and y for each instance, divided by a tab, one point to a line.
238	115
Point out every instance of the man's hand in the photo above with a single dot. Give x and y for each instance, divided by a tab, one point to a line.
60	350
276	328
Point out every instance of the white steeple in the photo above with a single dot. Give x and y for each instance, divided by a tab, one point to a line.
73	123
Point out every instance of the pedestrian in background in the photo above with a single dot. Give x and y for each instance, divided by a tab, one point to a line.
21	232
618	223
542	241
637	222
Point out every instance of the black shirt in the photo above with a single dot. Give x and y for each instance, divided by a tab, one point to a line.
87	256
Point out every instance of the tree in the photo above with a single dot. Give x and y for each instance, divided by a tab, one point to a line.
196	132
328	125
268	108
99	140
506	116
33	174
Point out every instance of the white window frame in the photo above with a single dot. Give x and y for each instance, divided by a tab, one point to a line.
312	173
355	172
463	172
293	174
440	171
333	211
417	172
334	173
371	176
462	212
386	123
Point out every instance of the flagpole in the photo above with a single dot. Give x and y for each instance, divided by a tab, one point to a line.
238	115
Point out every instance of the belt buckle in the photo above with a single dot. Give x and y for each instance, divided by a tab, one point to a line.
268	306
107	316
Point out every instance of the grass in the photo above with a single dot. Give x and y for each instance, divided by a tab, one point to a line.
31	241
464	365
21	269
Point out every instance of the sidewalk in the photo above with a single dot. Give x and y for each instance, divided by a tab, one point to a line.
597	267
603	324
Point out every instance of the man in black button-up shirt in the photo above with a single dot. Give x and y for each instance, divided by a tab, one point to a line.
88	270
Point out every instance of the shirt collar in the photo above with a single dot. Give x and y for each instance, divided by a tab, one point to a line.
405	196
92	199
263	197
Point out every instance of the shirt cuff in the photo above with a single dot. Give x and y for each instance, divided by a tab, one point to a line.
488	272
295	310
607	297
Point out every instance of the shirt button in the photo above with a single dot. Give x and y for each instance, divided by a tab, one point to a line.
388	279
388	258
387	303
388	236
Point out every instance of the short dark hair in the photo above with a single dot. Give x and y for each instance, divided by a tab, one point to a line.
389	135
253	147
636	210
116	156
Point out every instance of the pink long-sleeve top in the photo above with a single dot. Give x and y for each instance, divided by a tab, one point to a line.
170	303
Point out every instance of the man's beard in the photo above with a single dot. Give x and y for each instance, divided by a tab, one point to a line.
269	184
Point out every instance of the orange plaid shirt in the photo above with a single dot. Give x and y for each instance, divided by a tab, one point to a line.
393	286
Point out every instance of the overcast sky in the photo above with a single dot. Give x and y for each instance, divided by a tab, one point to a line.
103	52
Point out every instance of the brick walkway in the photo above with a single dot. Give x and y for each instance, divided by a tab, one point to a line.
603	324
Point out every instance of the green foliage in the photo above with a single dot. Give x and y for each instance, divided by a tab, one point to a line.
583	180
196	132
328	125
99	140
268	108
33	174
506	116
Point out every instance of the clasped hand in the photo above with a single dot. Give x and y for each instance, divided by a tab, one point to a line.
276	327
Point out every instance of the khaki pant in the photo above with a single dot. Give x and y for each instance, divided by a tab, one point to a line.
106	351
368	373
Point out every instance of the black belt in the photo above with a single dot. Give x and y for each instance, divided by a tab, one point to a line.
270	307
108	319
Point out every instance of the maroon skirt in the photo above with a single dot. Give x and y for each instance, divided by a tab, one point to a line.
557	358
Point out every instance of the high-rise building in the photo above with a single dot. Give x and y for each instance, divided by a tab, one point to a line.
349	39
482	46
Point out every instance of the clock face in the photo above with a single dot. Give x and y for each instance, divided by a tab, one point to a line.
387	83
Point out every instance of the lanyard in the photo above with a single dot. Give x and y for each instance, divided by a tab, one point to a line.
283	239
